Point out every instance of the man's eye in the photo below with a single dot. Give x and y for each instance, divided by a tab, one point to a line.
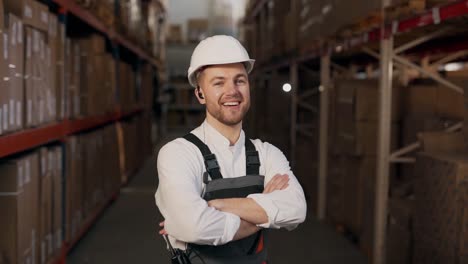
240	82
218	84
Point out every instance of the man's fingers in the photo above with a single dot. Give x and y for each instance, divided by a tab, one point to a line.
278	182
163	232
161	223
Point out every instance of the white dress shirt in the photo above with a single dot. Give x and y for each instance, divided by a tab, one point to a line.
188	218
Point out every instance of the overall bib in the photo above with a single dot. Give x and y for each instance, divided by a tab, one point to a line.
249	250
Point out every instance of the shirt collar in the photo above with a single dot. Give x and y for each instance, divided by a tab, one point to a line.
216	138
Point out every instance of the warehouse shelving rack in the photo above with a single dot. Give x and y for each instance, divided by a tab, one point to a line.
17	142
388	57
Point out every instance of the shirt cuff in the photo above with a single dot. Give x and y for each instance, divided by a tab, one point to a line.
268	205
231	227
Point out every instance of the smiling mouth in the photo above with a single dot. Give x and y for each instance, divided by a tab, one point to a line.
231	104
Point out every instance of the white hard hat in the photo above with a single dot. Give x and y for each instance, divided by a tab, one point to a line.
217	50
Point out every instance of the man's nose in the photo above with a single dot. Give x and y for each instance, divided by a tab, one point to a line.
231	88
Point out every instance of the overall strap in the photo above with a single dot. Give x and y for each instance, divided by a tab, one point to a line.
211	163
251	158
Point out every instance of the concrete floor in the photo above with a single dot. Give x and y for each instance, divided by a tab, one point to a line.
127	233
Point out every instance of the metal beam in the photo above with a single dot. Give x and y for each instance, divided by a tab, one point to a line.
309	70
434	76
420	40
410	148
338	67
383	150
416	145
403	160
323	136
449	58
308	107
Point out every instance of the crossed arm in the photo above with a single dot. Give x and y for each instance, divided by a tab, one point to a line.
247	209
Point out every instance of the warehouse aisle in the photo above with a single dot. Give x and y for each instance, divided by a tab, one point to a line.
126	233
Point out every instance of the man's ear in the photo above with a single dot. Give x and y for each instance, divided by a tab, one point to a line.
199	95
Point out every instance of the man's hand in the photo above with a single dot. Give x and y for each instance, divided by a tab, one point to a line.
279	182
162	231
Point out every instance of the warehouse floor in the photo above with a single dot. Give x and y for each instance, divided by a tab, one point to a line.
127	233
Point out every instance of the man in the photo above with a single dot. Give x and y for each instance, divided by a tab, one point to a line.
218	190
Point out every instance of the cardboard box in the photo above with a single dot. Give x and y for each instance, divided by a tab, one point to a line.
28	83
45	198
16	231
57	45
6	96
399	231
16	70
25	9
58	205
74	188
433	100
41	14
32	172
440	217
174	34
197	29
358	172
359	100
360	138
32	12
442	142
413	125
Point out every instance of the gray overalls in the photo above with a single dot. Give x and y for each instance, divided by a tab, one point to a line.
249	250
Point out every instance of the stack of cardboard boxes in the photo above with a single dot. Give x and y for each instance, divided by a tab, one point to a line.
352	160
92	175
33	204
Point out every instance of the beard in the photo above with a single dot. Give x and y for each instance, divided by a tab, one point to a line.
227	116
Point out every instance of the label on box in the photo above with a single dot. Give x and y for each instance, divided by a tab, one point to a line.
27	170
20	177
35	41
13	34
21	174
43	165
12	112
41	111
29	111
28	46
59	160
5	46
28	13
51	161
18	114
5	117
42	49
43	252
62	32
20	33
77	106
45	17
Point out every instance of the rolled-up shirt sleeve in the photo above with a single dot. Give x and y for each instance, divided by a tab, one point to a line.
187	216
285	208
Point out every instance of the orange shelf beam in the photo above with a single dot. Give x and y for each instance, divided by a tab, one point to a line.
31	138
